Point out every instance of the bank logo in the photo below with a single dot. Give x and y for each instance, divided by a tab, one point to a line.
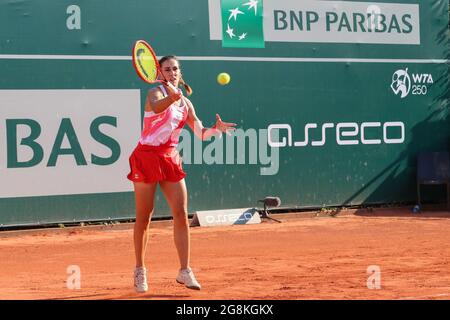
401	83
242	23
252	23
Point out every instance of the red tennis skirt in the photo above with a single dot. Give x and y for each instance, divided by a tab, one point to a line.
151	164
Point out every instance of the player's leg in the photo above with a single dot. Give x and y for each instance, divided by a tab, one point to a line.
176	195
144	198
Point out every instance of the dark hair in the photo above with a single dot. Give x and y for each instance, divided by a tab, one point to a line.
185	85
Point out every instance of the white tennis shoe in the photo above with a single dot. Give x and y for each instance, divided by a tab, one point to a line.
140	280
186	277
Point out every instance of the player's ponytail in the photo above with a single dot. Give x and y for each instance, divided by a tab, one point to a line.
186	87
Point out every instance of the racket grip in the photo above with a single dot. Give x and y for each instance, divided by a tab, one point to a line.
171	86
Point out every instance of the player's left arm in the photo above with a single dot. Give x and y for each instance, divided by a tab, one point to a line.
200	131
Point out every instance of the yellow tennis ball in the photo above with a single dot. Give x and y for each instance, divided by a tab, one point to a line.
223	78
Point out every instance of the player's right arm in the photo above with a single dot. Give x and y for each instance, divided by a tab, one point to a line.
156	101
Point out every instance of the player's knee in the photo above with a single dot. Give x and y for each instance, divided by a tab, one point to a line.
142	224
180	217
143	220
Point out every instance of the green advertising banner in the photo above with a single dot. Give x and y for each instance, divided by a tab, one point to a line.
333	101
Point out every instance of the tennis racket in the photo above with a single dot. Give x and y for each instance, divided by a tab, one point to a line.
145	62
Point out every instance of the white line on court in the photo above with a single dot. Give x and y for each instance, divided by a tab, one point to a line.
60	57
427	296
220	58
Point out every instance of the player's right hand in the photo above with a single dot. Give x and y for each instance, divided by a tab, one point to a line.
174	93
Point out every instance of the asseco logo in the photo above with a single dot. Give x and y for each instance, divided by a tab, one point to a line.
401	83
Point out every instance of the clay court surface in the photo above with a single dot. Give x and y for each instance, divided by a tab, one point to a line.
307	256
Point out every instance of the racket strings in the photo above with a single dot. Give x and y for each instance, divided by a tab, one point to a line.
145	62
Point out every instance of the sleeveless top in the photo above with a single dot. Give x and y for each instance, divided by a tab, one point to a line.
163	129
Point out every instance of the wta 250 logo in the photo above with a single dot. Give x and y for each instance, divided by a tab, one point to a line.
417	84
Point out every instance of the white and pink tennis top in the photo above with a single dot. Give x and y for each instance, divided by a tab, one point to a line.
164	128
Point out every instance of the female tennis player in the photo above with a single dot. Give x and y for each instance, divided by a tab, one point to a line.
156	160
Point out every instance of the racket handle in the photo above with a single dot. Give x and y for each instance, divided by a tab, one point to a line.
169	84
172	86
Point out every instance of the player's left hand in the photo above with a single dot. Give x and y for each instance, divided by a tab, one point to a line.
226	127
